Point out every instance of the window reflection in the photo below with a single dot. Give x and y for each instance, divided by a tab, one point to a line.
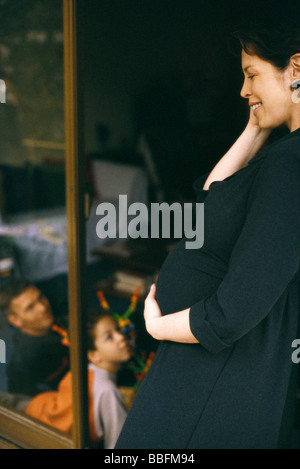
33	239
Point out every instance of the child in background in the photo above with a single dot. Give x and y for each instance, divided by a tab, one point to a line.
107	350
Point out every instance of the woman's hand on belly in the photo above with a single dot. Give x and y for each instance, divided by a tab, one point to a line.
152	313
174	327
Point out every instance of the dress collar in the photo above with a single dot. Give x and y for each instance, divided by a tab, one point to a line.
262	153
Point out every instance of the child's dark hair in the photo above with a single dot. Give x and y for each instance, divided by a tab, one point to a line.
94	316
274	37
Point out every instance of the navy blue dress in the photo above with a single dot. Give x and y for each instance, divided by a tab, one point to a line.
236	388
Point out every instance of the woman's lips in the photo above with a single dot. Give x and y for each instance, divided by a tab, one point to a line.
257	110
256	107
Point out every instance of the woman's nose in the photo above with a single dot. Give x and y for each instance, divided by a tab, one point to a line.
245	91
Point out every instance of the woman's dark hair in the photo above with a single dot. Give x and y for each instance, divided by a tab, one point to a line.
275	37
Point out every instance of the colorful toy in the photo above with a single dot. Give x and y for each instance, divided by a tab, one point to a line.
63	333
140	366
140	363
125	324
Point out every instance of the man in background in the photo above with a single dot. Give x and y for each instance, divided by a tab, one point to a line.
40	357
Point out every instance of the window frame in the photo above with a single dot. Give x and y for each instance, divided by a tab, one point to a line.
16	429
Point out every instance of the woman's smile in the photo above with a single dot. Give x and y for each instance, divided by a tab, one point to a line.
256	108
268	92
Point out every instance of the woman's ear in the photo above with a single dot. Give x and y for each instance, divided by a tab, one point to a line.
295	67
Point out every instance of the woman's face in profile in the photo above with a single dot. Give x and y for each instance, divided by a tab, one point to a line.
269	91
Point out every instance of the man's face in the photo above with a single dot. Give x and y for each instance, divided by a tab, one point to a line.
31	313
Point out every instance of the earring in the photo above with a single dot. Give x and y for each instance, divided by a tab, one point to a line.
296	91
295	85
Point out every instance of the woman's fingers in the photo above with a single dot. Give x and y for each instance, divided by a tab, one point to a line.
152	291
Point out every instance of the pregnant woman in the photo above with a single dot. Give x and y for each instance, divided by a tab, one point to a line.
227	314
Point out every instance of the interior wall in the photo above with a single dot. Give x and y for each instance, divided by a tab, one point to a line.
159	67
130	45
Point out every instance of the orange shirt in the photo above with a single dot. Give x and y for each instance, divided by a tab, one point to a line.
107	410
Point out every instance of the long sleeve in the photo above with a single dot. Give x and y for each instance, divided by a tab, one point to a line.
198	187
113	415
265	258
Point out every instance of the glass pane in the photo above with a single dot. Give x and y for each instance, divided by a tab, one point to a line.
120	268
153	99
34	349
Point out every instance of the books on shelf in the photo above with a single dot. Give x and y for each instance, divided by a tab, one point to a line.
128	280
118	248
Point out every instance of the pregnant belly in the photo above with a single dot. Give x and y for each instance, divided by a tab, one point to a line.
187	276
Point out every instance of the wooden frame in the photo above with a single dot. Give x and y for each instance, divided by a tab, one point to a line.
20	431
16	429
75	172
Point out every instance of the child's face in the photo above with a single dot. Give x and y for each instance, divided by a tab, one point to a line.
112	348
